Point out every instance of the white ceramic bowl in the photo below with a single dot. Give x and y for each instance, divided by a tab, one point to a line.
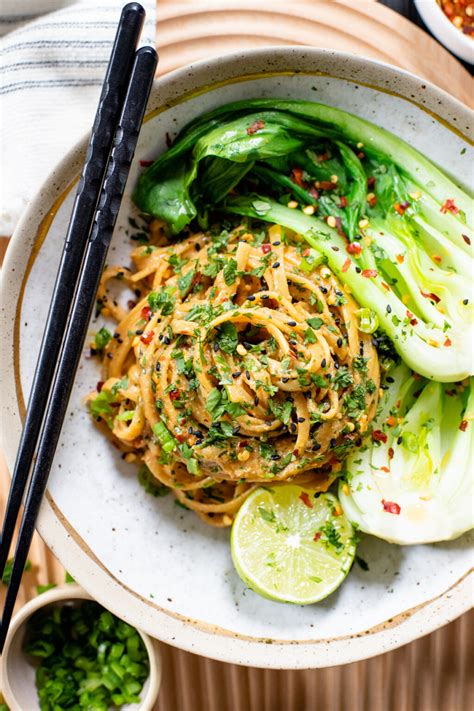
147	560
17	673
443	29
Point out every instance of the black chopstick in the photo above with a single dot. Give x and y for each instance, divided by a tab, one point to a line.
121	155
116	81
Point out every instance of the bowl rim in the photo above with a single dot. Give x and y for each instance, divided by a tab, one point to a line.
62	594
202	638
444	30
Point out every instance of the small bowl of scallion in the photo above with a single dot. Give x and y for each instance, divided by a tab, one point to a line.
65	651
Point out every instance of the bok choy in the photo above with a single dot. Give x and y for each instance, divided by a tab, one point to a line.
393	227
412	481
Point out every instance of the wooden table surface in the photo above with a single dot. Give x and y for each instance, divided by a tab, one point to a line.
435	672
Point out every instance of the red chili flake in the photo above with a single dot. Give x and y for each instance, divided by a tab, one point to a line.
390	453
400	258
295	453
385	469
306	500
346	265
306	253
317	536
255	126
411	318
354	248
339	229
327	185
180	437
466	239
448	342
314	193
322	157
146	163
385	286
449	206
379	436
437	258
369	273
182	421
390	421
372	200
243	443
399	208
463	425
168	139
391	507
131	304
297	176
344	201
175	394
430	296
371	182
266	247
147	337
146	313
361	155
99	386
416	376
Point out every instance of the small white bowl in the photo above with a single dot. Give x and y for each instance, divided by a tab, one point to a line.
443	29
17	674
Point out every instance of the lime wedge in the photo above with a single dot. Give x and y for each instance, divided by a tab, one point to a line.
292	545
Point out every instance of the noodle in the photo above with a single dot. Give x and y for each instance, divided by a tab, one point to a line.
241	363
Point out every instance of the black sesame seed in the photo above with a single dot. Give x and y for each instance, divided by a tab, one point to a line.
284	380
301	419
389	379
256	400
399	440
139	332
389	309
335	249
264	296
323	289
291	323
339	342
357	237
276	244
236	430
275	457
158	367
465	302
332	442
251	297
275	265
292	342
358	270
316	446
323	363
166	340
119	340
215	347
247	375
190	430
197	247
237	373
138	292
292	427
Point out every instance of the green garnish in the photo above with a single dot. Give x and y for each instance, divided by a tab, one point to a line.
88	658
101	339
8	570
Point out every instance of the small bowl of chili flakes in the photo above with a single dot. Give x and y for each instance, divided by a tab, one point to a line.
452	23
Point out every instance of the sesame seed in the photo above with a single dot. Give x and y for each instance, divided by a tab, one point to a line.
197	247
292	427
292	204
309	210
277	243
291	323
275	457
256	400
301	419
389	309
332	442
275	265
358	270
284	380
215	347
247	375
316	446
465	302
331	221
339	342
363	223
251	297
323	363
334	179
236	374
264	296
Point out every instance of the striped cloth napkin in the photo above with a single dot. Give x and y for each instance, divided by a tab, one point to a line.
53	56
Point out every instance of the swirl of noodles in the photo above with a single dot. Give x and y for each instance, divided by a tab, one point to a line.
241	362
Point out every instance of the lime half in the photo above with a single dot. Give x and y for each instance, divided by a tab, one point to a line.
292	545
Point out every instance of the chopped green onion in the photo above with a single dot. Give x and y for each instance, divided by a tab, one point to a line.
164	436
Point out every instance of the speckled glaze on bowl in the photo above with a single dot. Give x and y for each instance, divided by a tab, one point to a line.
146	559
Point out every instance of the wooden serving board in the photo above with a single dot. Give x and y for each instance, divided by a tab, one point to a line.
433	673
